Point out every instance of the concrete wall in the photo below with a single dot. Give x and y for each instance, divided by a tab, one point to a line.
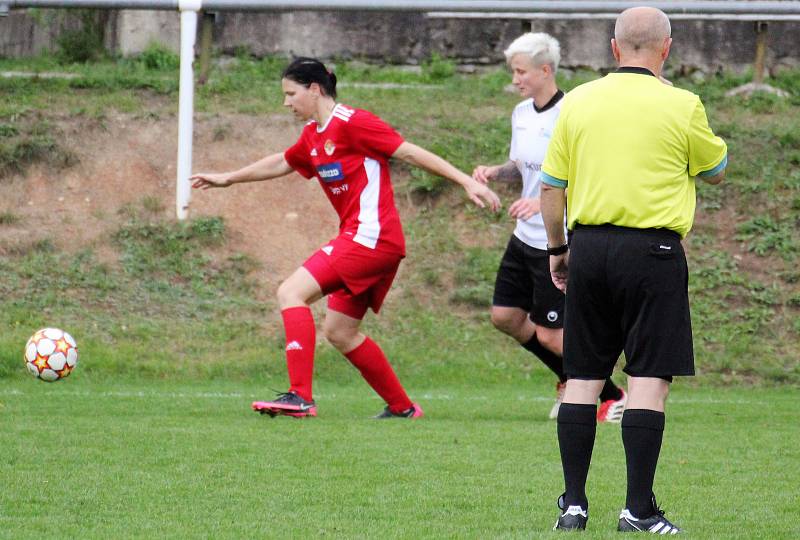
137	29
401	37
30	32
23	34
392	37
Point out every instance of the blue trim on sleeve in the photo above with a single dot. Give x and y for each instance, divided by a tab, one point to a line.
553	181
716	170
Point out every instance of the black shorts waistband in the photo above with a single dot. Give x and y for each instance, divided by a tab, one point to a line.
617	229
528	249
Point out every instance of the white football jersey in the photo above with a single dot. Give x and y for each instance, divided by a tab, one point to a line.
530	135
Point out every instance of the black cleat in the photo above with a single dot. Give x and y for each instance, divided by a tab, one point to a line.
415	411
573	518
656	523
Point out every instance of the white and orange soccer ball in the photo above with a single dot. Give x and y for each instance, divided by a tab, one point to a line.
51	354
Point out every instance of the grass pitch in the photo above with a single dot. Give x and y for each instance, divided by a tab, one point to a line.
86	458
174	451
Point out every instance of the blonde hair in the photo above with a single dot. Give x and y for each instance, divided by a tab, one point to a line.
541	48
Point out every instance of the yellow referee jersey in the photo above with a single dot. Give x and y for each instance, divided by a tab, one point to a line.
628	147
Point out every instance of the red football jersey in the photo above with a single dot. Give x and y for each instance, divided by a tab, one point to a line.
349	156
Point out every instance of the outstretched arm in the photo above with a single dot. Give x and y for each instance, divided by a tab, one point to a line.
419	157
507	172
272	166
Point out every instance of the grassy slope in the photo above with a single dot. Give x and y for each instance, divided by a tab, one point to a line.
743	253
145	444
99	459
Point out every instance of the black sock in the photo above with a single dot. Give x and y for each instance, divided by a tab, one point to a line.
577	425
550	359
642	431
610	391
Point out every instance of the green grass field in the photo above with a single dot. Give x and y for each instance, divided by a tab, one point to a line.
87	458
152	436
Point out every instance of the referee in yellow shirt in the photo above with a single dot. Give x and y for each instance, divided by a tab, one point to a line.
627	149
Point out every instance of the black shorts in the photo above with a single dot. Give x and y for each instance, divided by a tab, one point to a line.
627	290
523	281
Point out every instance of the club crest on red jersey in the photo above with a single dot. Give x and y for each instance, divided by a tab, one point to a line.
330	148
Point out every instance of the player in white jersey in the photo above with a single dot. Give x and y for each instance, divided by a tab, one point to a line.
526	305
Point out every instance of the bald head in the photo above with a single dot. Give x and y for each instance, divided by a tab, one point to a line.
641	30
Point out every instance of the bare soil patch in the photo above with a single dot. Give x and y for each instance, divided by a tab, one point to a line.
124	160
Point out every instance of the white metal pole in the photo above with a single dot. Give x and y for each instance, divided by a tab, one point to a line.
183	192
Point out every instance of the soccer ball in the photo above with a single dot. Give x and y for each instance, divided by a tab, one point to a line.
51	354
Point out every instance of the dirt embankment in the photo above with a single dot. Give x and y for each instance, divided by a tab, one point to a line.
131	161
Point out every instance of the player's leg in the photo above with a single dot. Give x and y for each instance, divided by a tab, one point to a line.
547	312
551	338
658	346
295	295
577	427
342	329
642	431
642	436
592	344
513	294
514	322
512	302
300	289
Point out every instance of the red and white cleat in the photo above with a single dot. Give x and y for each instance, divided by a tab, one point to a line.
286	404
612	409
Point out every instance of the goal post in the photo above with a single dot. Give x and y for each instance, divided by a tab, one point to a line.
183	188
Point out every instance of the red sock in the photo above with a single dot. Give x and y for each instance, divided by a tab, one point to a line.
375	368
298	323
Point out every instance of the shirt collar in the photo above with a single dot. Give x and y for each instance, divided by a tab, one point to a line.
634	69
550	104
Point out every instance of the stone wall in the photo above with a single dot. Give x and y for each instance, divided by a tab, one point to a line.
402	37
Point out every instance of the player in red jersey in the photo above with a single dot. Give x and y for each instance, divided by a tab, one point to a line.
347	150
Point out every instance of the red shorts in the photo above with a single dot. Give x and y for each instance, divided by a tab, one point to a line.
354	277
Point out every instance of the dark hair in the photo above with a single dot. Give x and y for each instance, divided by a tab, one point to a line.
310	70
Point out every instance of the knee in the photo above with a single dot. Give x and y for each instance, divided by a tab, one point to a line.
552	340
661	392
647	393
504	323
341	338
286	295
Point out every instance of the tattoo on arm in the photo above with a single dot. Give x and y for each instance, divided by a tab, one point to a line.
509	173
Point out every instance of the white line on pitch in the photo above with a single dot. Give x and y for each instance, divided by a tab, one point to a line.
429	397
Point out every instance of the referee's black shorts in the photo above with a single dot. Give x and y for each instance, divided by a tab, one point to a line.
627	290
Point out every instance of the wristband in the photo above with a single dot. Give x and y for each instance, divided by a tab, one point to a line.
560	250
